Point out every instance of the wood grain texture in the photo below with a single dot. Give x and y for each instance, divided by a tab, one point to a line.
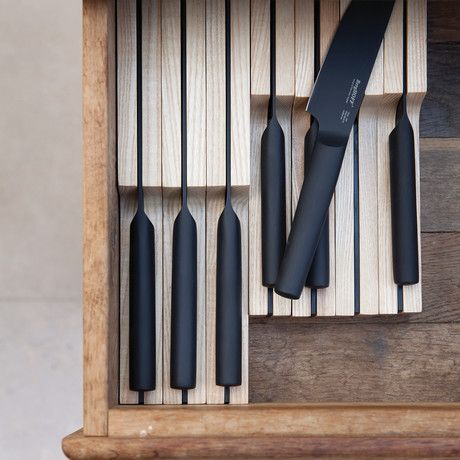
240	394
151	82
196	93
100	217
440	187
417	87
300	126
368	206
241	92
258	294
78	447
329	20
354	362
281	305
171	207
304	47
260	47
393	80
170	92
443	21
298	420
439	117
215	93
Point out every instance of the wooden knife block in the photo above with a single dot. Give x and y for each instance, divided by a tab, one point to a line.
302	402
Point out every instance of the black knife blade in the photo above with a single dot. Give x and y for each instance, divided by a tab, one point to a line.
335	102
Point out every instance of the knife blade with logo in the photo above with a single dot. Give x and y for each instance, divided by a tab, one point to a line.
335	102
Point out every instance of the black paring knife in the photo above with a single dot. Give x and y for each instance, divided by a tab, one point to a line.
184	262
141	263
228	285
273	177
403	188
318	276
335	102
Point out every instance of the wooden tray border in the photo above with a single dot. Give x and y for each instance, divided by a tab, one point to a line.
256	430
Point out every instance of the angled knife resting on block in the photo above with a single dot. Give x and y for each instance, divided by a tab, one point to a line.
347	173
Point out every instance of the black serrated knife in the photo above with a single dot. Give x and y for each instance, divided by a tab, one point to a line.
335	102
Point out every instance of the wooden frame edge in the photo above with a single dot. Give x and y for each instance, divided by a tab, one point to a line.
100	216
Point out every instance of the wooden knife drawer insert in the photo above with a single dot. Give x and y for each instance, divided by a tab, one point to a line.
365	384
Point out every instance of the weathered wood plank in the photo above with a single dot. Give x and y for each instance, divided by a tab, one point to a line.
440	185
78	447
354	362
444	21
439	117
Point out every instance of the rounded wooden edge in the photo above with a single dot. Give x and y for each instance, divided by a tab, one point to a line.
79	447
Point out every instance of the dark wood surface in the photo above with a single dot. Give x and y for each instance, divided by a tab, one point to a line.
389	358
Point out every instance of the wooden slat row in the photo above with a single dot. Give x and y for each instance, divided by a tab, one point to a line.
162	170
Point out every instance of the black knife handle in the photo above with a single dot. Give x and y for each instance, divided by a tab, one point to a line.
318	276
142	304
273	201
403	202
184	302
312	208
228	300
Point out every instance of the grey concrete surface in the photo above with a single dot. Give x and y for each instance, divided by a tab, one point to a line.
40	226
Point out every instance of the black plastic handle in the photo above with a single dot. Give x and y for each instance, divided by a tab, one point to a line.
142	304
184	302
403	201
314	201
318	276
273	201
228	300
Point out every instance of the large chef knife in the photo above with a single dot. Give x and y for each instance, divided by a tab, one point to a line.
335	102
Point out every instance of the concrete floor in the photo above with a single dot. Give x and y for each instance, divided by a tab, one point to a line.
40	226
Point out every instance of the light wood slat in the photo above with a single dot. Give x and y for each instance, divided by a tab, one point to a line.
215	93
171	207
260	89
258	294
304	76
344	235
171	94
151	84
300	126
304	27
151	48
260	47
393	81
329	20
100	215
215	195
171	151
196	93
214	205
126	92
298	420
285	85
241	92
197	206
240	395
368	206
417	87
368	190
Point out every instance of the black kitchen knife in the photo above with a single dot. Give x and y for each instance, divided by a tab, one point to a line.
335	102
403	188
